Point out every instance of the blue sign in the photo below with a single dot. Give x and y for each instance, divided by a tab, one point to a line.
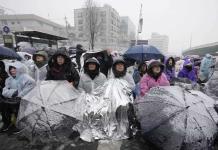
6	29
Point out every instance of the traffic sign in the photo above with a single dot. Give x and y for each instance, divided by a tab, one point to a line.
6	29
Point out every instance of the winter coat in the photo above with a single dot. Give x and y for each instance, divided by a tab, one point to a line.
206	67
64	72
184	73
90	80
125	76
169	71
148	81
3	76
21	84
106	62
37	73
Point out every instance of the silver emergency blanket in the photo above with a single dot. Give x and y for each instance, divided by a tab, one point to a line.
55	107
105	116
212	85
173	118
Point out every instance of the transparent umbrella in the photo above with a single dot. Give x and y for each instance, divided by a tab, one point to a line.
173	118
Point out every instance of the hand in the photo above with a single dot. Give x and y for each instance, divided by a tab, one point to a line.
15	94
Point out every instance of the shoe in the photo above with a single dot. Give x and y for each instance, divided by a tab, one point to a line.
4	128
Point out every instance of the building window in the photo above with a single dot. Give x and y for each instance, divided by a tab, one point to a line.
81	28
12	22
80	35
80	15
4	22
80	22
103	14
18	22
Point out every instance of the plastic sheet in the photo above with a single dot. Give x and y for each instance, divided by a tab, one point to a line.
54	106
173	118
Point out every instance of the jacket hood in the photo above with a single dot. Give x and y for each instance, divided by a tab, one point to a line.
116	73
40	53
92	60
53	60
187	63
153	63
208	56
20	68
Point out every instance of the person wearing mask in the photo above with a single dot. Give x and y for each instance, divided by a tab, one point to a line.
170	70
206	67
60	68
188	72
17	85
79	52
3	77
92	77
155	77
39	70
119	70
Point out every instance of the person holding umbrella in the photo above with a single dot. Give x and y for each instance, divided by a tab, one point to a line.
155	77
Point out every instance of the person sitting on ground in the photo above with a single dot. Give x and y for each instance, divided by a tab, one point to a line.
17	85
119	70
39	70
170	70
92	77
188	71
3	77
155	77
61	68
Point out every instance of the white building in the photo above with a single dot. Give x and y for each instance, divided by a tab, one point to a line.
31	22
109	28
127	28
159	41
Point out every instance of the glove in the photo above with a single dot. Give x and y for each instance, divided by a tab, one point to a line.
15	94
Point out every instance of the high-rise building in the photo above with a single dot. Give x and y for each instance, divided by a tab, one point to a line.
108	33
127	29
159	41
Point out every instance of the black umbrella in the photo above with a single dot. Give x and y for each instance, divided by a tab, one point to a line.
6	53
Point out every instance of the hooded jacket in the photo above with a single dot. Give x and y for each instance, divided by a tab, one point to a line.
88	83
185	73
206	67
169	70
63	72
148	81
39	73
21	84
124	75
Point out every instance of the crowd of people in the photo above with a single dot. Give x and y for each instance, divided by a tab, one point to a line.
16	82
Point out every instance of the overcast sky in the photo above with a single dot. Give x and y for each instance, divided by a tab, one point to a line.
179	19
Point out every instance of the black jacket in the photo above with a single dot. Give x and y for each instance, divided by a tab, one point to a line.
106	62
3	76
63	72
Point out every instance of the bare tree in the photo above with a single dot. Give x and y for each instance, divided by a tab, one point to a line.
93	21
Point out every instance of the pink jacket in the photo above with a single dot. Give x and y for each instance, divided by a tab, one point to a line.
148	82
